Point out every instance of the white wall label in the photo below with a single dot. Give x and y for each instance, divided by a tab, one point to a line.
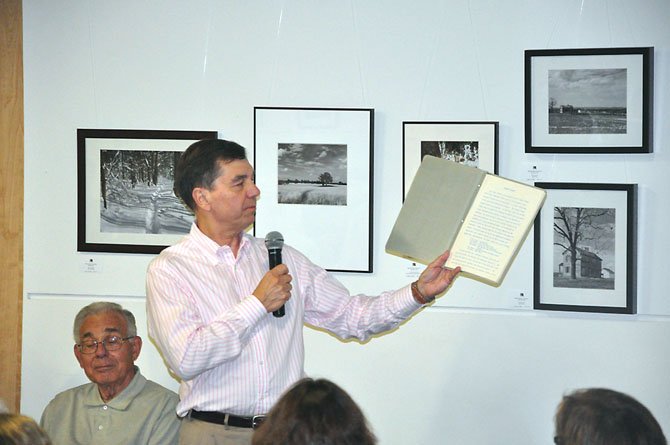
90	266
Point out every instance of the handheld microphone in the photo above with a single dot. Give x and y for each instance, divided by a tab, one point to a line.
274	241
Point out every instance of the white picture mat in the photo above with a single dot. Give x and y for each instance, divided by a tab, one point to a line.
616	199
94	146
334	237
415	133
540	67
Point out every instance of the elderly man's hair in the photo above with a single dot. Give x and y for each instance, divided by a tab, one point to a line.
99	308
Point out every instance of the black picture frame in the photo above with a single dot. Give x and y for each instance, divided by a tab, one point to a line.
476	142
112	195
331	221
586	248
589	100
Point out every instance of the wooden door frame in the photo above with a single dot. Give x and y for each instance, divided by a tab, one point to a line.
11	197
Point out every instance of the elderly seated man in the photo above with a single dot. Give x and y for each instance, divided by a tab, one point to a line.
120	406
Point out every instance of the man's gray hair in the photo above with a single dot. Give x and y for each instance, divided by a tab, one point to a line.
100	307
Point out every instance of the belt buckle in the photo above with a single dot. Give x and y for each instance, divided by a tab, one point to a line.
256	421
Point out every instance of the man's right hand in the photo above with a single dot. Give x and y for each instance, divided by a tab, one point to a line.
274	290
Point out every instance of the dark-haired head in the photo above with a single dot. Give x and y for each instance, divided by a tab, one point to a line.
315	412
599	416
199	166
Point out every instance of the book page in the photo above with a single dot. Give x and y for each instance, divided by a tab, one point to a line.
495	227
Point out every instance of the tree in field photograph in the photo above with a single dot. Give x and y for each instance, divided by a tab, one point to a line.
584	247
462	152
136	193
312	174
587	101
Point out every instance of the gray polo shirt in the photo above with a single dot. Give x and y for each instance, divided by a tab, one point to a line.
143	413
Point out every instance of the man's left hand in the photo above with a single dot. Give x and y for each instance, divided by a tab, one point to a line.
436	278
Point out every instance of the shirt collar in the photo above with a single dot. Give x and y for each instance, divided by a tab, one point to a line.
122	399
214	252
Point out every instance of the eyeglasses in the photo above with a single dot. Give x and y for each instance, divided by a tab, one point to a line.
111	343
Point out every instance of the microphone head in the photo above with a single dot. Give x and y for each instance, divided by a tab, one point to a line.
274	240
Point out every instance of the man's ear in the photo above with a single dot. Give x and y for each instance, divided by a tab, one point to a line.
137	346
77	353
200	197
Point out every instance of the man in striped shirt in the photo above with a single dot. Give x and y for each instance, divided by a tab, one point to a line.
211	295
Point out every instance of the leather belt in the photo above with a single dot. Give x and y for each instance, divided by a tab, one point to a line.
227	419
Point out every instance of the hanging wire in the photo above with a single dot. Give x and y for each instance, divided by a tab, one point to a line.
357	52
477	60
275	63
91	47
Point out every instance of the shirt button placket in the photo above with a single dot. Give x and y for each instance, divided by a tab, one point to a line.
101	425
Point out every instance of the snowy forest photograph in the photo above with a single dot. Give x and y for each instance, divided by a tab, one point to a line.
584	241
136	193
312	174
462	152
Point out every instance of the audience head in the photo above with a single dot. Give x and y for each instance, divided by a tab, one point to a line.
315	412
199	166
597	416
107	345
16	429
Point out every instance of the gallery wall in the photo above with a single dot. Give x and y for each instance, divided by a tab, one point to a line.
479	367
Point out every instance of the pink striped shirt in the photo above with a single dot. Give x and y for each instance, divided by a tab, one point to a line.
230	353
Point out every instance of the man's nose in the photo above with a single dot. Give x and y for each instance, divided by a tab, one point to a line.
254	191
100	349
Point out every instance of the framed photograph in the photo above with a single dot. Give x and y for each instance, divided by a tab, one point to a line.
125	201
589	100
470	143
314	169
585	248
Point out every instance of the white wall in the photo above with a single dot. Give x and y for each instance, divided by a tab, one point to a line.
473	369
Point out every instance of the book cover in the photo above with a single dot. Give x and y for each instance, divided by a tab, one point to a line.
481	218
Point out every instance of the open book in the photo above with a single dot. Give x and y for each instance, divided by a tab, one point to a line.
481	218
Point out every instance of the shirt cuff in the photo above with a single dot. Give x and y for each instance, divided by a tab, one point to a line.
251	309
407	300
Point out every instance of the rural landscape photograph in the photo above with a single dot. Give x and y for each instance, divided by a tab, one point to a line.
136	193
584	241
312	174
587	101
462	152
